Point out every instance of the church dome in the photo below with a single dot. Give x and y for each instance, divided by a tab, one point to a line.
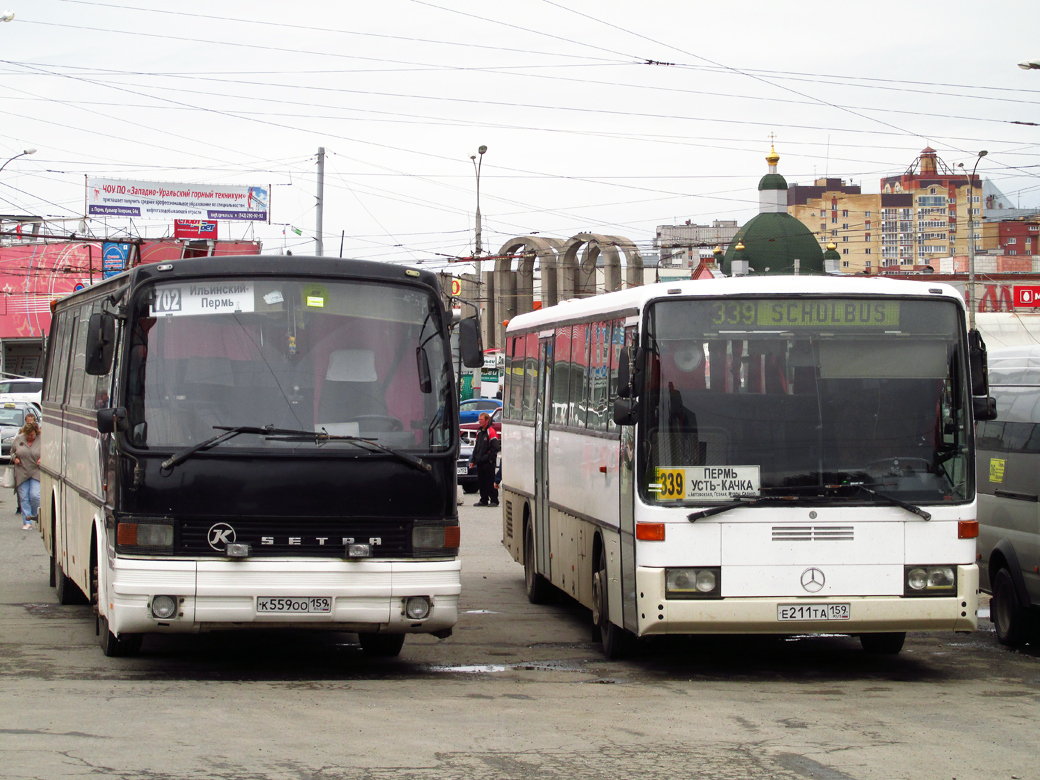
772	242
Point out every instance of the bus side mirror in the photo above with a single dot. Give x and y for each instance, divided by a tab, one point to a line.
625	411
111	420
984	408
470	343
101	343
978	364
630	372
423	366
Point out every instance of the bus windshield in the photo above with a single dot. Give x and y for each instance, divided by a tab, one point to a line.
347	358
804	396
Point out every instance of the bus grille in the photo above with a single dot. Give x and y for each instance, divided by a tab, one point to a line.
293	537
813	533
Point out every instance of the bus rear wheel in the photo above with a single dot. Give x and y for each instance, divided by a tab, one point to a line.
66	590
883	644
1009	619
534	583
381	645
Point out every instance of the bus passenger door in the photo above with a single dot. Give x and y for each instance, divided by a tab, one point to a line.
626	481
542	415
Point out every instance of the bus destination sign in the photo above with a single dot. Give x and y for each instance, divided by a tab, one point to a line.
805	313
707	483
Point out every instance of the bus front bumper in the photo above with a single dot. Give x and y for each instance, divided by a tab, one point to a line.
360	596
866	614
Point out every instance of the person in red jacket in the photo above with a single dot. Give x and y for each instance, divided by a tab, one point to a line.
485	459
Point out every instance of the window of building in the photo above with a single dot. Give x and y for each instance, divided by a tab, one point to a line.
834	220
844	263
845	213
1011	240
845	226
845	239
844	251
867	252
866	213
834	232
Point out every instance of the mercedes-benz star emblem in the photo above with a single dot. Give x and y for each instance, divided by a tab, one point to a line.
812	579
220	536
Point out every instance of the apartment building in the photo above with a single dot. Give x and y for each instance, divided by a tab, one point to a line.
686	245
919	216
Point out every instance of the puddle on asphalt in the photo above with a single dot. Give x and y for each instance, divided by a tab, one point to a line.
525	666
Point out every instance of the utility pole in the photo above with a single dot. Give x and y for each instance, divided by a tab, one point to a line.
319	243
972	305
477	247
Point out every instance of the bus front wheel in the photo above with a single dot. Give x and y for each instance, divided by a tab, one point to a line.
381	645
1007	614
616	641
117	646
883	644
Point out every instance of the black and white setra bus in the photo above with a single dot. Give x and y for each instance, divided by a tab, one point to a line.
748	455
246	442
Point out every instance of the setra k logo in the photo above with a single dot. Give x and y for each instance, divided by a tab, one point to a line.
220	535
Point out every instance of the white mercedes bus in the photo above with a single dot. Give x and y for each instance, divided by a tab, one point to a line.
748	455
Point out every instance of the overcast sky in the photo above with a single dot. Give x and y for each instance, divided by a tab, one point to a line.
610	117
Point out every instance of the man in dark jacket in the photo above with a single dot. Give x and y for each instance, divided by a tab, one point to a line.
485	458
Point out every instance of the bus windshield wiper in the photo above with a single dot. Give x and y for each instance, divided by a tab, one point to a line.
322	436
737	503
893	501
287	435
220	438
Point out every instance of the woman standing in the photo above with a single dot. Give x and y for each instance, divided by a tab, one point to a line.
25	454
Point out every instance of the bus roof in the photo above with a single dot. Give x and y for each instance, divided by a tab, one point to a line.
636	298
263	265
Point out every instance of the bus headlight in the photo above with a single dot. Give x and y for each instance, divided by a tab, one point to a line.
435	537
139	535
700	583
930	580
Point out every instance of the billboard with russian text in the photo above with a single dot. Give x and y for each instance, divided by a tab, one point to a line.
166	201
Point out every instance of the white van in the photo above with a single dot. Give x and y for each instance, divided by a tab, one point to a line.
1009	495
27	389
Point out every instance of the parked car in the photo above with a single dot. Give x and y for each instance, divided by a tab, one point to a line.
468	431
26	389
12	418
469	411
1008	478
467	474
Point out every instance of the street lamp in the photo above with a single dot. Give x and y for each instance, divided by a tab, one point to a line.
476	169
1030	65
22	154
971	241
